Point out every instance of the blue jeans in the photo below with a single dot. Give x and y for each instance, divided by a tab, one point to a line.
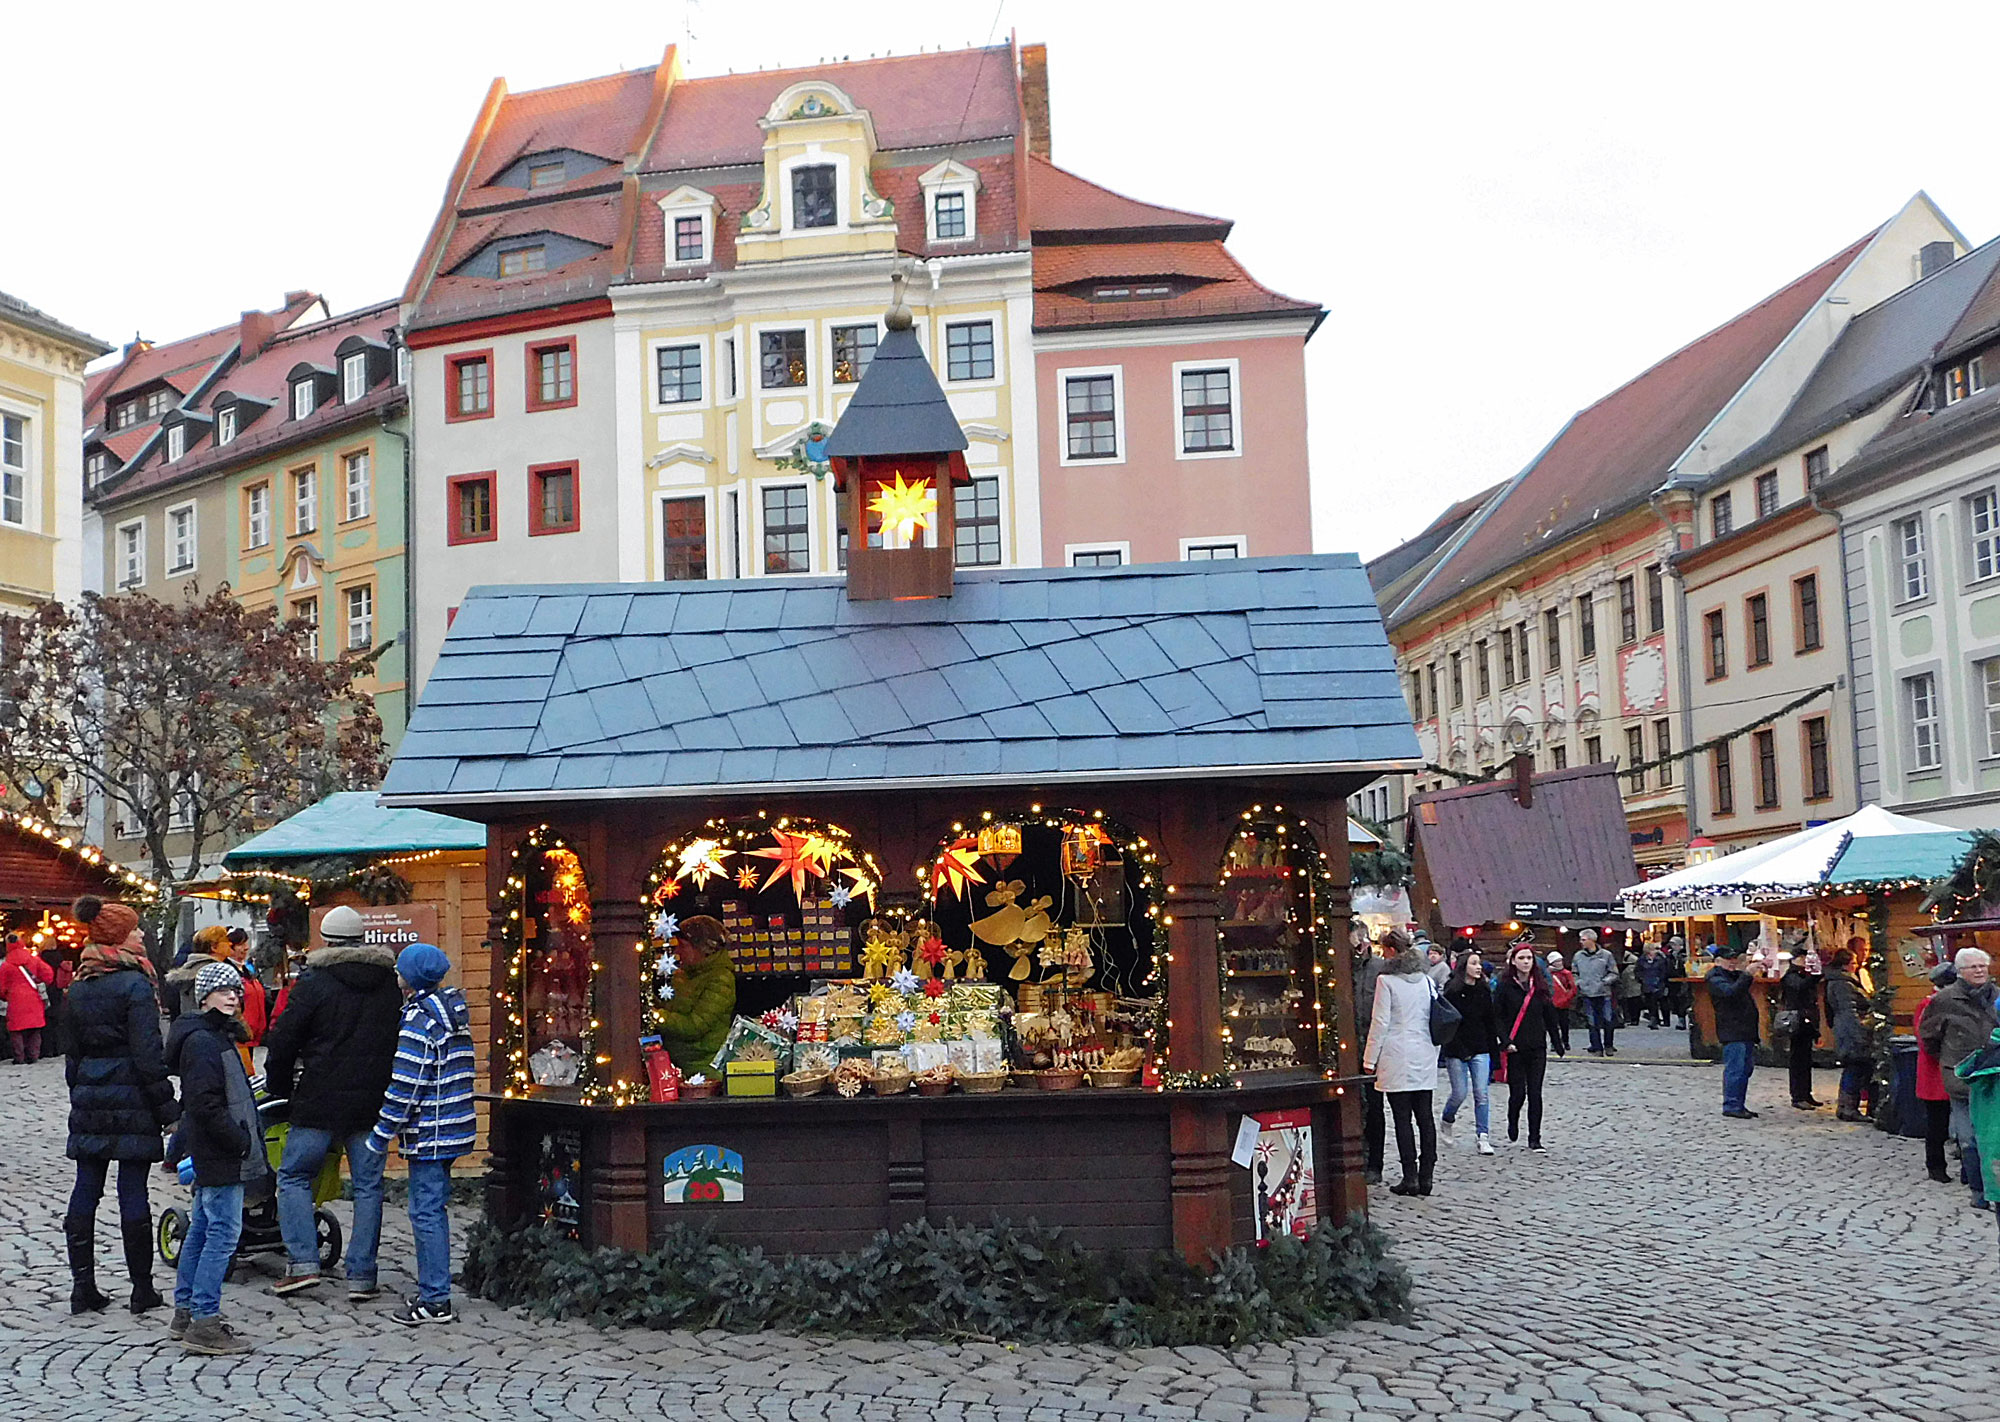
89	1189
1739	1059
215	1226
305	1153
1470	1076
1601	1013
430	1192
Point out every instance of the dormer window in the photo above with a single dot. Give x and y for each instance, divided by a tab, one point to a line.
521	261
157	403
176	442
688	216
353	377
689	244
948	215
950	200
1154	291
124	415
225	424
814	203
302	398
96	467
546	174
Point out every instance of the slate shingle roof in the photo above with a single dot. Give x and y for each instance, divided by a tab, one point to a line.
1044	674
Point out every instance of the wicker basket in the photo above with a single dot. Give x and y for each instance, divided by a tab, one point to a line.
695	1090
1059	1079
933	1088
805	1083
890	1083
980	1082
1102	1076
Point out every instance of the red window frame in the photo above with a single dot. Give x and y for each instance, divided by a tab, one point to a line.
536	527
490	478
452	415
536	350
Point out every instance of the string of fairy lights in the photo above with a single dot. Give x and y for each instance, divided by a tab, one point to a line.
81	850
549	855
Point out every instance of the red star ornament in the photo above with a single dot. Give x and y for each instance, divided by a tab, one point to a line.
957	867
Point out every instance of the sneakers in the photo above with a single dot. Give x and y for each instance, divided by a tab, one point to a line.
416	1312
1445	1127
213	1338
1485	1144
177	1330
1537	1148
297	1280
362	1290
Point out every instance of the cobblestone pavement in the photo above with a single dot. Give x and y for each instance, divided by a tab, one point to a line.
1659	1262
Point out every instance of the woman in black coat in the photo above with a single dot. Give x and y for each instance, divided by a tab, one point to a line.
1524	1015
119	1098
1468	1057
1799	992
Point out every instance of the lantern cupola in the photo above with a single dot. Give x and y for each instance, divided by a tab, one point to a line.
896	454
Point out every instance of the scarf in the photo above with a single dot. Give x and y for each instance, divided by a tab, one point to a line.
101	958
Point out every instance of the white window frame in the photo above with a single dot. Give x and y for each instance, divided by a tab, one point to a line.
994	321
1123	549
180	812
816	157
18	485
225	425
1234	367
304	398
758	489
656	556
355	510
949	177
175	567
838	323
300	605
1988	673
1911	559
667	343
132	553
304	479
998	476
257	515
1240	542
1920	698
96	468
353	377
1983	508
1084	372
402	365
176	442
349	620
687	201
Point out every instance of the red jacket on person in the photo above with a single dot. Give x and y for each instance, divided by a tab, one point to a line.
1930	1077
26	1012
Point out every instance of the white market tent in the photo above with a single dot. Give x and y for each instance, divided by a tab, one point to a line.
1797	866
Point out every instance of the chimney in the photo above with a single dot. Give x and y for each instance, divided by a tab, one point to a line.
254	331
295	298
1935	257
1035	98
1524	780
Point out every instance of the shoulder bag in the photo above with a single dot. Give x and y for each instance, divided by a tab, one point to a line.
1444	1018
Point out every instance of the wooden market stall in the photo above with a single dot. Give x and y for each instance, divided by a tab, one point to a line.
43	869
1021	834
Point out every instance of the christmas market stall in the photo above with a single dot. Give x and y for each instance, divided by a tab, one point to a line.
43	869
824	905
1858	882
1541	853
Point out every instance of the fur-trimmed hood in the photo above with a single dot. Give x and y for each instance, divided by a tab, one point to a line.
373	955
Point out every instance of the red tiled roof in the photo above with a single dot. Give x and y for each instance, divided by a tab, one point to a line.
1057	266
914	101
126	442
1224	289
182	364
1485	852
1060	201
589	219
1614	454
601	117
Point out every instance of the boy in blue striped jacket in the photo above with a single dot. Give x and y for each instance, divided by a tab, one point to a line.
428	1111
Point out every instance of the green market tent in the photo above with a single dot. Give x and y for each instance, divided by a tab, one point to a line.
352	823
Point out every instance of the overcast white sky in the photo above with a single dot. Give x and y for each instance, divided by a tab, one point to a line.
1507	211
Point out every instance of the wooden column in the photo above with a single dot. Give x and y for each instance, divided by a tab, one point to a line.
616	873
1191	844
1200	1136
616	1156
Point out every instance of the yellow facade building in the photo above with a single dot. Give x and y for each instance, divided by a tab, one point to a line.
41	470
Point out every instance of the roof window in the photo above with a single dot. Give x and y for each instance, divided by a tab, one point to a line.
520	261
547	173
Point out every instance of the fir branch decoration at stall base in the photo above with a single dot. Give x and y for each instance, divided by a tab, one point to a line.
998	1282
195	720
549	999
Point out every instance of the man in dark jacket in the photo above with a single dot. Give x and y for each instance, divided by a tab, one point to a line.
1959	1021
1799	992
222	1138
1735	1027
330	1054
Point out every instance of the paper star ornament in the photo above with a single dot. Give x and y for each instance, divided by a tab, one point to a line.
904	507
666	925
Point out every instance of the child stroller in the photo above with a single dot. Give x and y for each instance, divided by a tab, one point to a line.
261	1234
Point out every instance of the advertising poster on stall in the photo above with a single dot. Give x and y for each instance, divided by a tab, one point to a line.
1281	1173
559	1168
704	1175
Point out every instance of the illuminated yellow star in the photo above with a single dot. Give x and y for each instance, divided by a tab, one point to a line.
905	507
700	860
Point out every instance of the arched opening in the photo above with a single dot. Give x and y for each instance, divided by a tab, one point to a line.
1275	950
549	950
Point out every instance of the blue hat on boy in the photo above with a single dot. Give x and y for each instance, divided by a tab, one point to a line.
422	966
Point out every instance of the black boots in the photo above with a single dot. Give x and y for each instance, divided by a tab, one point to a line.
138	1236
77	1236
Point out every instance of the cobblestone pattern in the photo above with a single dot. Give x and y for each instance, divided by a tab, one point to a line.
1658	1263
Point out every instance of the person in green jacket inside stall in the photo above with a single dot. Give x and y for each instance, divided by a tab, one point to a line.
1981	1072
694	1021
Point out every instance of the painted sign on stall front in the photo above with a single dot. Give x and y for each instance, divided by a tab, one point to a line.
703	1175
1282	1175
392	926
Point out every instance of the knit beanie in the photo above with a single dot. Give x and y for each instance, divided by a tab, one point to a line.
107	923
212	940
214	977
422	966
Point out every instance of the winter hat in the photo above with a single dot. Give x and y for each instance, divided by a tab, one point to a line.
107	923
214	977
421	965
212	940
341	925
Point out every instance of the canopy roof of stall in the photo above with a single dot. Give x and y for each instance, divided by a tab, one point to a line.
351	822
1868	848
1047	675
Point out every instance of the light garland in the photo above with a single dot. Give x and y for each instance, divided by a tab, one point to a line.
565	872
1300	856
83	850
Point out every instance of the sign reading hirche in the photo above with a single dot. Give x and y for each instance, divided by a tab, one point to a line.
392	926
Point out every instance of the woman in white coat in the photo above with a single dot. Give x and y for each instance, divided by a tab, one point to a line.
1404	1061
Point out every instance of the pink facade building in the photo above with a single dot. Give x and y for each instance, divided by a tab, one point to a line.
1170	385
